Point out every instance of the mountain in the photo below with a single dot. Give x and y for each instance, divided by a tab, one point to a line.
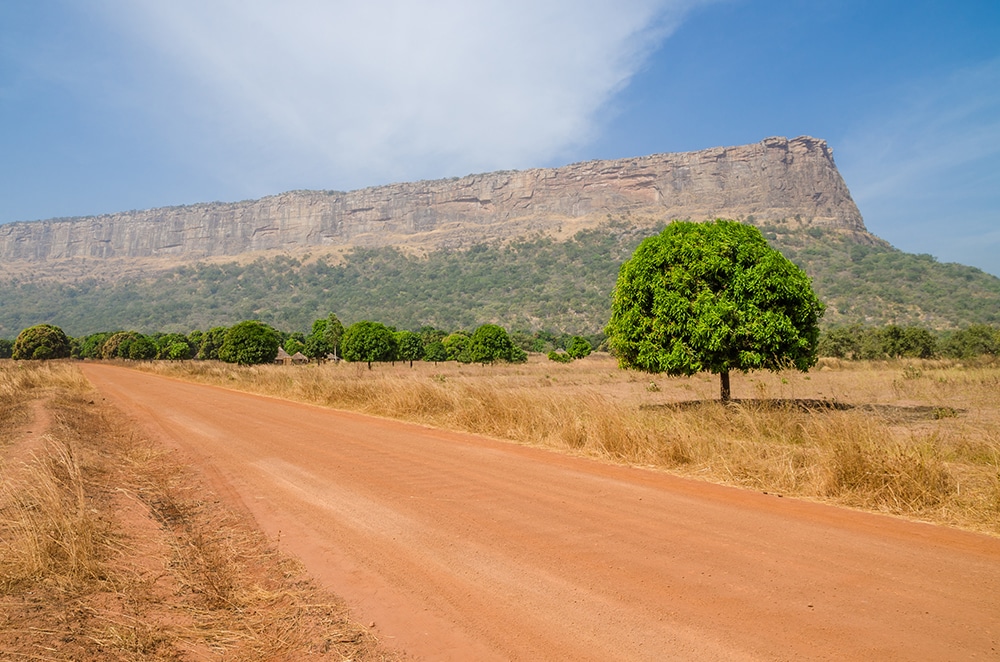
534	249
771	180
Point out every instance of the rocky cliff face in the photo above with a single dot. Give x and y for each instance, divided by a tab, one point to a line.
771	180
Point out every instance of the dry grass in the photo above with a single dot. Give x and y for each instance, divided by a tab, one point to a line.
919	439
110	549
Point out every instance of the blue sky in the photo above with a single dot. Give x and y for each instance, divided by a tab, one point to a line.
110	105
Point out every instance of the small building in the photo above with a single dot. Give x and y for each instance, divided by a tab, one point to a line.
299	358
283	357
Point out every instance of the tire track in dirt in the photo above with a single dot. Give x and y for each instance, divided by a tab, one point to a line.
461	547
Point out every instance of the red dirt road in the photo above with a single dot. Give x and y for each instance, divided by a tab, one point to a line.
465	548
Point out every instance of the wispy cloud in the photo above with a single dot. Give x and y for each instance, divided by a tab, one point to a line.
353	93
934	152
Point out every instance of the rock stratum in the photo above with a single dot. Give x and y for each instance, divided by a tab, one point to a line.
794	180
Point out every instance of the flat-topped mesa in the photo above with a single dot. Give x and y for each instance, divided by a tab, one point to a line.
774	179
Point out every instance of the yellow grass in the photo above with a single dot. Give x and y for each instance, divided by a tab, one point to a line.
920	439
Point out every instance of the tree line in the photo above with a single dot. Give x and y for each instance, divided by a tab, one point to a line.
252	342
894	341
854	342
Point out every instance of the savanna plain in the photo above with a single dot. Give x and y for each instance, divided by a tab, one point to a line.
111	549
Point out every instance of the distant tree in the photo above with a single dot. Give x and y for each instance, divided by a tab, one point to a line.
294	345
368	342
333	333
841	343
211	343
435	351
410	346
973	341
457	346
89	347
179	351
250	343
164	343
578	347
6	348
39	342
325	338
141	348
712	296
429	334
491	343
918	343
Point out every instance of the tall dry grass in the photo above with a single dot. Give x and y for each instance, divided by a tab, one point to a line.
919	439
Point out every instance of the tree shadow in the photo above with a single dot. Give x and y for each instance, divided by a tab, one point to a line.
892	413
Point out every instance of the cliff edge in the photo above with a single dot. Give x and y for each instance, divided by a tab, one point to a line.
777	178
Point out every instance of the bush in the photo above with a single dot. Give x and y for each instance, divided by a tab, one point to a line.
578	347
39	342
6	348
559	357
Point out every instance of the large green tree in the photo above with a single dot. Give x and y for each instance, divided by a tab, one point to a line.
42	341
368	342
250	343
491	343
409	346
712	296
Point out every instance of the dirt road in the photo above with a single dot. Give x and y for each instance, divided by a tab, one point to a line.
465	548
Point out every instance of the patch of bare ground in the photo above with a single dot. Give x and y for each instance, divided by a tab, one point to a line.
111	549
919	439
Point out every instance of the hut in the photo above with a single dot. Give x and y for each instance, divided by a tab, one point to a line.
283	357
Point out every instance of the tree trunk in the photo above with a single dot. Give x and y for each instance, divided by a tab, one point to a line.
724	383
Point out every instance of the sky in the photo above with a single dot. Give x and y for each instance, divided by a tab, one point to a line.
111	105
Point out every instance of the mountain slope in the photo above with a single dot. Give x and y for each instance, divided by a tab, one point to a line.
528	284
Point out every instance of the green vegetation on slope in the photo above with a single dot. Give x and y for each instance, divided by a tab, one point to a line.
531	284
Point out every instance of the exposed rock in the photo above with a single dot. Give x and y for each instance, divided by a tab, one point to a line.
771	180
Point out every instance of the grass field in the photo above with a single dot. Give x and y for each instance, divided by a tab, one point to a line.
111	550
919	439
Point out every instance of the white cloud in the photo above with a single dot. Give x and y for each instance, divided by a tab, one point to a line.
343	94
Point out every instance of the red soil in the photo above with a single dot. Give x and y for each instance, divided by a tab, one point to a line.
460	547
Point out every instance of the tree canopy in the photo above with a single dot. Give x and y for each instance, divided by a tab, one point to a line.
368	342
491	343
42	341
250	343
712	296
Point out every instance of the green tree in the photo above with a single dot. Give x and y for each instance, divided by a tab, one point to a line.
457	346
712	296
410	346
578	347
972	341
491	343
211	343
39	342
250	343
368	342
435	351
333	333
166	341
179	351
294	345
6	348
